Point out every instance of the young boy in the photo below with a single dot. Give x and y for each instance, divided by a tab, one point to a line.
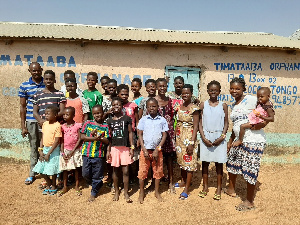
136	85
104	81
94	135
150	85
69	74
92	95
48	97
152	134
78	102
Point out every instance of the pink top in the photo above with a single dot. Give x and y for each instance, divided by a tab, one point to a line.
128	109
253	119
70	135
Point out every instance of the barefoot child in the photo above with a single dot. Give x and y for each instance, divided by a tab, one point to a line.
48	164
213	126
71	158
94	134
119	154
152	130
264	112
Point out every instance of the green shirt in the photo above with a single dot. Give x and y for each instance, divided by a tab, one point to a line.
94	98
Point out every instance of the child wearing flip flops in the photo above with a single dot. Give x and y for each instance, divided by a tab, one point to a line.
213	126
70	158
48	164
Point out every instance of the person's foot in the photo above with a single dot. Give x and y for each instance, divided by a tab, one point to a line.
29	180
78	191
172	189
230	192
116	196
127	198
218	191
141	197
62	191
203	193
159	198
91	198
245	206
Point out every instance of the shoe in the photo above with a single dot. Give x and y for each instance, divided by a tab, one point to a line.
183	196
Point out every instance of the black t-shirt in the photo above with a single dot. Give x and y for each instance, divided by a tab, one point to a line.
119	131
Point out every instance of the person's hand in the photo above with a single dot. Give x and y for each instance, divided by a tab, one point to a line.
218	141
131	154
94	133
138	144
155	154
41	122
146	154
237	143
65	157
190	149
41	158
46	157
229	143
109	111
207	142
108	156
24	132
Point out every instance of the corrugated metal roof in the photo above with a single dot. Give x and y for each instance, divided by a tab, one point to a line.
296	35
129	34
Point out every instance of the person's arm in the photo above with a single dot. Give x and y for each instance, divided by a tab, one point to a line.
140	113
205	141
41	149
270	117
61	109
136	115
55	144
23	103
226	124
85	117
190	147
37	116
62	148
231	139
130	139
158	148
140	133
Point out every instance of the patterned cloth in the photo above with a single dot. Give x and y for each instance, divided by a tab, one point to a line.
128	109
184	133
81	107
72	163
94	98
27	90
50	167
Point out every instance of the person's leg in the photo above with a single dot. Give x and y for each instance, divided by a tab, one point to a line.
97	176
231	187
158	168
65	188
126	183
115	177
77	189
170	172
48	180
87	170
157	194
54	181
183	177
142	191
219	170
205	178
189	176
144	165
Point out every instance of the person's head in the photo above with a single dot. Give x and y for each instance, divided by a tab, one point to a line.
69	74
213	89
123	92
35	70
51	113
152	106
69	114
112	86
92	80
178	83
187	92
116	105
150	85
161	86
263	95
49	79
97	112
237	87
136	85
71	85
104	80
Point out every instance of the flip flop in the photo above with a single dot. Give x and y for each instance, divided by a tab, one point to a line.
29	180
217	197
231	195
46	191
52	192
202	194
183	196
78	193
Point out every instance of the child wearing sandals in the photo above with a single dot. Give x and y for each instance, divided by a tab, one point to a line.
70	158
213	126
48	164
119	155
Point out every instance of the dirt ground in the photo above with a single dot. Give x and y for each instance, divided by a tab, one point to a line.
277	202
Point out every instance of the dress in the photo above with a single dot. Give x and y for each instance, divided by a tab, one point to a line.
213	125
245	159
167	112
260	109
184	133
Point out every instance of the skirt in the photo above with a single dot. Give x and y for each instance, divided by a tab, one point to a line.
71	164
50	167
245	159
120	156
185	161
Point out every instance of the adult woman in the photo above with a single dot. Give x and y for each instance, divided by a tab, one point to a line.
244	159
186	139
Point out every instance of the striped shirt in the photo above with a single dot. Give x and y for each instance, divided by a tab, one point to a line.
43	100
94	149
27	90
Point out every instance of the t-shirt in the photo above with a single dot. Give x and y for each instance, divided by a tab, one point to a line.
94	149
27	90
128	109
50	132
81	107
70	135
119	131
43	100
94	98
138	100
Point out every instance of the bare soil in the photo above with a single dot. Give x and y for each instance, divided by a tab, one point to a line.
277	201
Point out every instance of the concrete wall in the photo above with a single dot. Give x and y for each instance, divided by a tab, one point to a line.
260	67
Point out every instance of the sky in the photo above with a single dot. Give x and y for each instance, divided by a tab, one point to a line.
280	17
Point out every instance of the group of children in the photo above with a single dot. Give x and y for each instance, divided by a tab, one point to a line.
89	132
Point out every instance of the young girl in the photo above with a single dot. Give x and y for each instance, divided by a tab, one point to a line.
264	112
48	164
136	85
71	158
213	126
119	154
165	110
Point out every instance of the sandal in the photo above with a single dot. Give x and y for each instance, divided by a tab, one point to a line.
217	197
46	191
183	196
52	192
78	193
29	180
202	194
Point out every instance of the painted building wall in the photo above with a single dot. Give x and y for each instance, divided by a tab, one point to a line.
260	67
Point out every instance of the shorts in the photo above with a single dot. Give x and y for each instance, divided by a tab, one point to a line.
144	165
120	156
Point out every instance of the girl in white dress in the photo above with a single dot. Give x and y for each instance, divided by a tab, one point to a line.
213	126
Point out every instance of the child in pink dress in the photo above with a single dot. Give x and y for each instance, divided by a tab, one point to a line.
264	112
70	158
